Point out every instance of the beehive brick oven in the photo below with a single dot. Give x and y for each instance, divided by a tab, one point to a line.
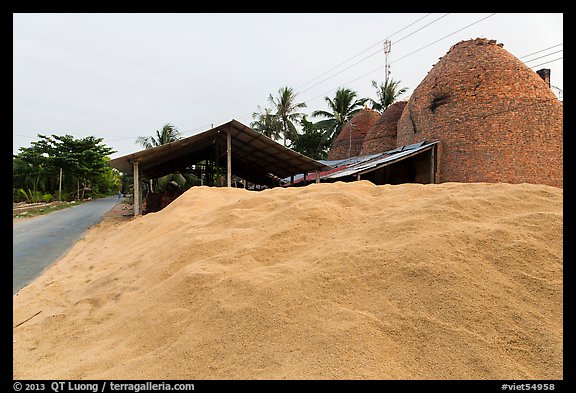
495	118
346	145
382	135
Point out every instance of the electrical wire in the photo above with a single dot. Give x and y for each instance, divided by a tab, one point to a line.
367	57
541	64
540	57
409	54
374	70
440	39
541	50
364	51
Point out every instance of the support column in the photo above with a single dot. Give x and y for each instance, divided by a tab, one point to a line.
432	165
228	158
317	176
358	177
216	167
136	191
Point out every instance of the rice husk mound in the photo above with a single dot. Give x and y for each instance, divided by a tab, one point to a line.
327	281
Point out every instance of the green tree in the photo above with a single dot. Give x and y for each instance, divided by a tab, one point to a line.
342	108
32	168
168	134
110	180
310	141
387	92
266	123
85	160
286	112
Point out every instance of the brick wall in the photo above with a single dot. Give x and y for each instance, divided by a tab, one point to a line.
349	141
382	135
497	120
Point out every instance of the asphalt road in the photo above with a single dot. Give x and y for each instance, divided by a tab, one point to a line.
40	241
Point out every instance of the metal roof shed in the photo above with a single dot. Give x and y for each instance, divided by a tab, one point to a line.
246	153
390	157
353	168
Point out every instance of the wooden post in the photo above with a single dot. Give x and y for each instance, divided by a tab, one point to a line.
136	192
216	166
317	176
432	171
228	158
292	180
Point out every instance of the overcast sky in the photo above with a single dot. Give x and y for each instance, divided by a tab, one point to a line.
120	76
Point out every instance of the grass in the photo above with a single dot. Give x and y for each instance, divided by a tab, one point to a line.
46	209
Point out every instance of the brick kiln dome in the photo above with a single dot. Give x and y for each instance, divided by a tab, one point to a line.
382	135
346	145
496	119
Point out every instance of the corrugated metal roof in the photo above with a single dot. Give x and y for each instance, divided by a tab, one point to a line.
255	157
354	165
386	159
350	160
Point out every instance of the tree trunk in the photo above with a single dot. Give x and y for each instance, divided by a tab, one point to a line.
285	133
83	189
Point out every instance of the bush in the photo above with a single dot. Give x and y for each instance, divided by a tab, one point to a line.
47	198
30	196
68	196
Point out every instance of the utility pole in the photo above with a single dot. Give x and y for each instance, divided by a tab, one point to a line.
60	186
352	126
387	46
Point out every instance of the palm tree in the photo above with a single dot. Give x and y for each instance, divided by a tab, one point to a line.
310	142
343	107
286	107
266	123
387	93
168	134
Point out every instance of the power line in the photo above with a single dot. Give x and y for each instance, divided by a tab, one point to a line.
409	54
379	68
341	71
538	65
416	31
540	57
446	36
541	50
367	57
24	136
364	51
379	42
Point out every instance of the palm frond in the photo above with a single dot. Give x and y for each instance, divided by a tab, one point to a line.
145	142
322	113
